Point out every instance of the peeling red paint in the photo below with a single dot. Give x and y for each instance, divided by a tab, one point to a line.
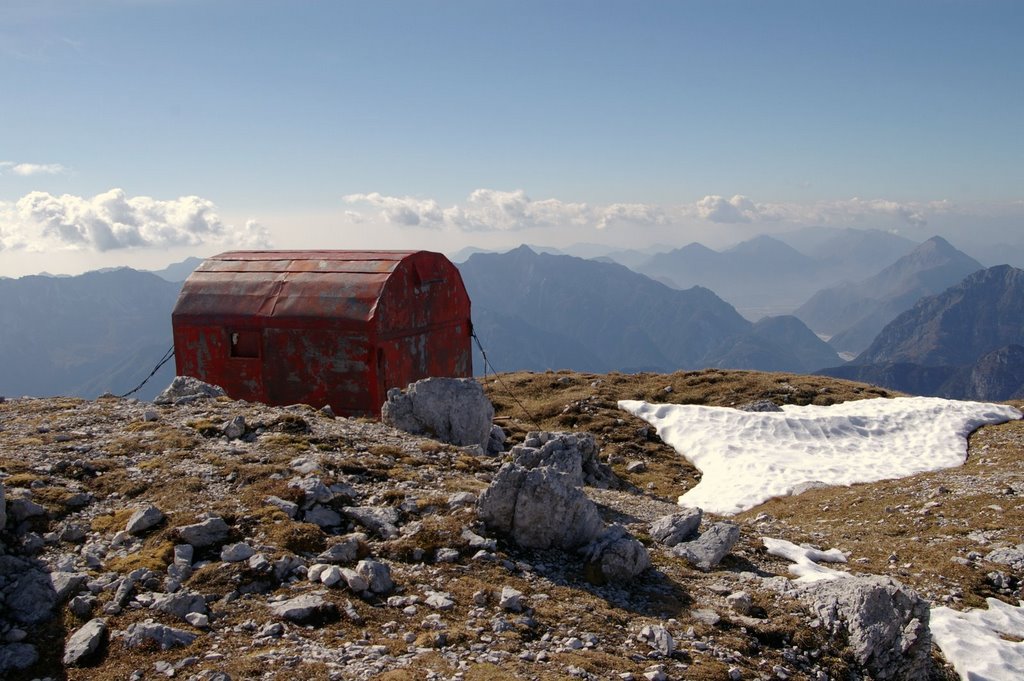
322	327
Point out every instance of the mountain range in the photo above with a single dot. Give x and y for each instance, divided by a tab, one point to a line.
766	275
965	342
853	314
84	335
599	316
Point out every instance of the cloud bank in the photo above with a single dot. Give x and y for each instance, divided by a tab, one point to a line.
493	210
40	221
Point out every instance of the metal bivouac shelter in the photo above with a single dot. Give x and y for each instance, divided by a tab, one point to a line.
334	328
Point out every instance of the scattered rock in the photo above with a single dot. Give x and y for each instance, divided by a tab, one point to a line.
236	553
85	642
616	555
677	527
710	547
510	599
345	551
439	600
179	604
67	584
377	575
496	442
381	520
461	499
573	453
29	594
659	639
885	622
290	508
540	508
209	532
308	608
740	602
1011	556
453	410
149	632
235	428
759	405
185	389
143	519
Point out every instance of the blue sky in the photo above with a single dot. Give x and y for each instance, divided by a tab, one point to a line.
137	131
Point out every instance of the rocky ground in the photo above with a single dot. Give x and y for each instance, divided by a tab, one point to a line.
219	539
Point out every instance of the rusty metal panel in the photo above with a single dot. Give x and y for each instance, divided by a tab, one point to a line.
327	298
205	352
320	368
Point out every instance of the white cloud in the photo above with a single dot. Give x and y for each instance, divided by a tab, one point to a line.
29	169
493	210
719	209
112	220
631	213
857	208
402	210
740	209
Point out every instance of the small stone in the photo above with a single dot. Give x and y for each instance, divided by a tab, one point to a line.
711	547
331	575
290	508
439	600
345	551
636	467
356	582
206	533
574	643
740	602
510	599
677	527
235	553
306	608
377	575
198	620
81	606
139	634
460	499
323	517
659	639
85	642
709	617
446	555
235	428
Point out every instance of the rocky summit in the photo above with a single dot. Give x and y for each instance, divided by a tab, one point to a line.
210	539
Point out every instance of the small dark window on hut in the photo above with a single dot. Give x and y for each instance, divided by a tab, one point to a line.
245	343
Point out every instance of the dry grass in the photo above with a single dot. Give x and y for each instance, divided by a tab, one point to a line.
563	400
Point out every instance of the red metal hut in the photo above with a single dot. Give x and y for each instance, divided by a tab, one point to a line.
322	327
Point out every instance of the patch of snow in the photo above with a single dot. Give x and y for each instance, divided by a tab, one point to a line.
975	641
805	560
747	458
